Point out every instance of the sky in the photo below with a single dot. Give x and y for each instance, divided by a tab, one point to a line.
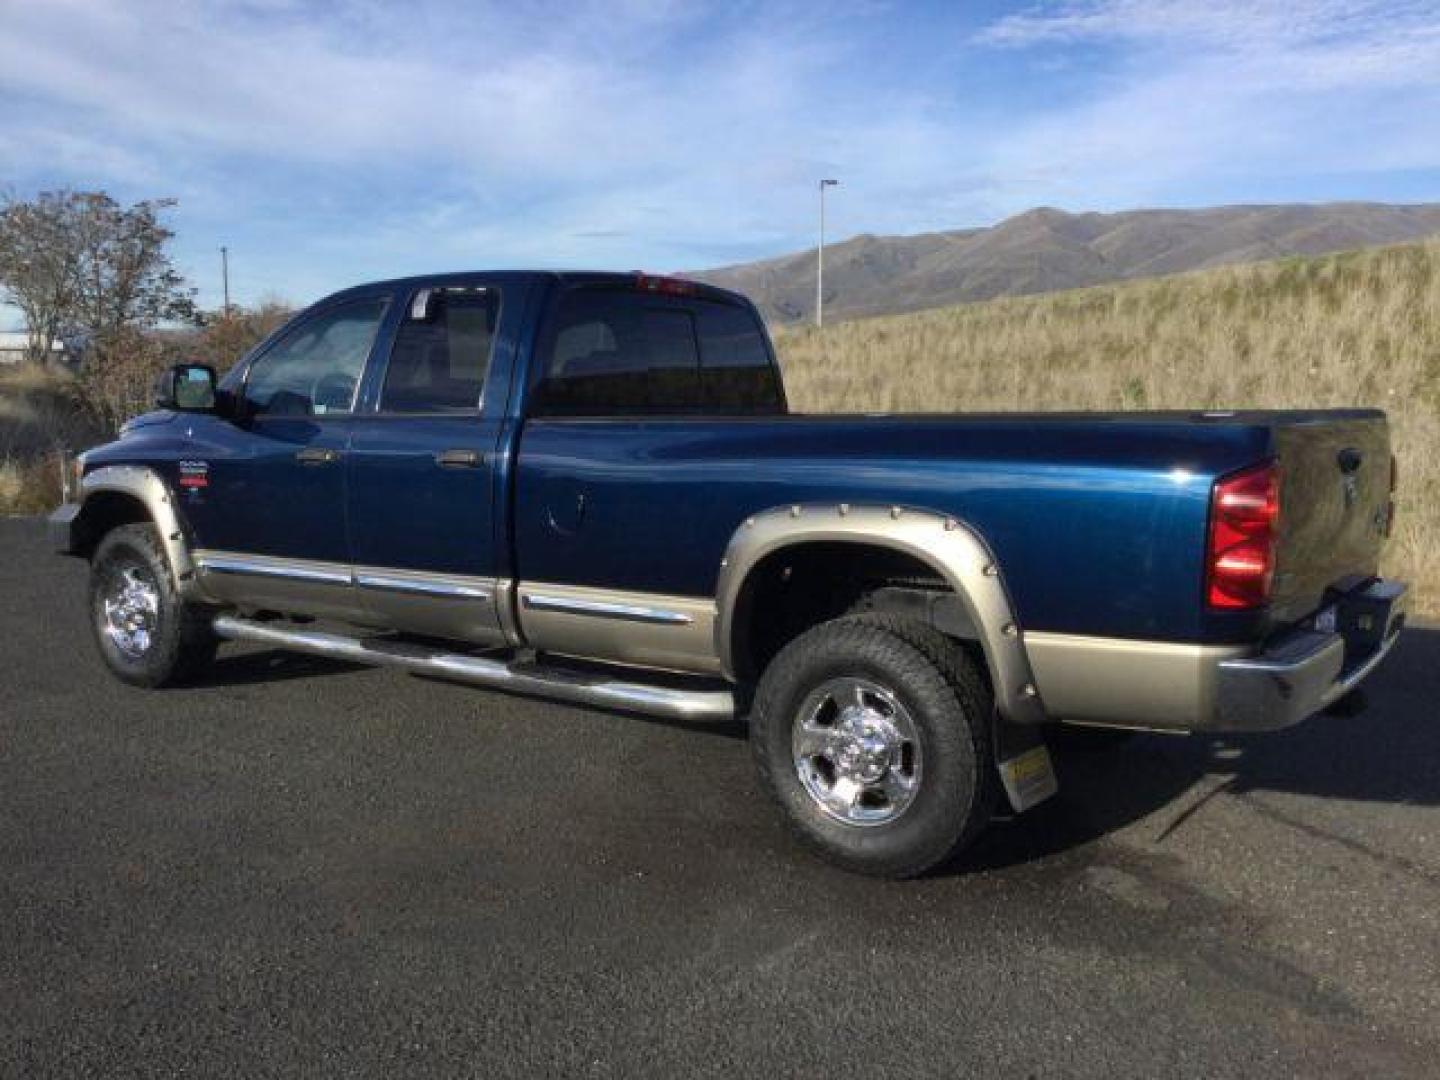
331	142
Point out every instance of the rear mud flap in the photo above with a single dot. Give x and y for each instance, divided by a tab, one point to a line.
1026	770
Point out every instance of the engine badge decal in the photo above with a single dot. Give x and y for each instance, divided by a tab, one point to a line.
194	475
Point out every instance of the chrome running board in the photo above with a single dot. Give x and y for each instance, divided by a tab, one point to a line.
519	677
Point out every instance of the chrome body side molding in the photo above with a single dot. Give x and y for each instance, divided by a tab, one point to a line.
676	633
440	605
416	585
952	548
599	690
270	582
215	562
606	609
146	486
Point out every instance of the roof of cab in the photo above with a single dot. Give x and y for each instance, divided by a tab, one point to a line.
564	277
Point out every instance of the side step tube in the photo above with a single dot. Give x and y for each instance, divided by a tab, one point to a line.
516	677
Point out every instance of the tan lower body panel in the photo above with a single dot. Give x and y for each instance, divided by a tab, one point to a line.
271	583
675	633
413	601
1157	685
438	605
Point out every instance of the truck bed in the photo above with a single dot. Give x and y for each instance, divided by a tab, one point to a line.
1099	518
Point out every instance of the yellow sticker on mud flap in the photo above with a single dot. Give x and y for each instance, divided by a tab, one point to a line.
1029	778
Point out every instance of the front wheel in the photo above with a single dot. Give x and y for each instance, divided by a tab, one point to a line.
146	634
873	734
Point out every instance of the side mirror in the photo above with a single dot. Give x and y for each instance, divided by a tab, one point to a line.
187	388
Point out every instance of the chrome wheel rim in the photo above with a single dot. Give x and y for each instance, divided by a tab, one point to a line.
857	752
130	610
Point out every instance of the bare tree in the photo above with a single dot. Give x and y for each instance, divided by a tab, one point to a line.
77	264
39	266
125	277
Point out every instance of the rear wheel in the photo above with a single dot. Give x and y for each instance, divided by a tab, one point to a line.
146	634
872	734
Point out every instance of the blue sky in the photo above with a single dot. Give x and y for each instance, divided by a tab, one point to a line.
332	142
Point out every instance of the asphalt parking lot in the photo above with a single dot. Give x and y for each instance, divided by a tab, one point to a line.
305	868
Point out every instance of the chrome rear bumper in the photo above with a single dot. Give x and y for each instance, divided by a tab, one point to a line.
1308	669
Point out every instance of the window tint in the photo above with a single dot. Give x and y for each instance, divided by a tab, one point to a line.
617	353
438	362
315	369
737	371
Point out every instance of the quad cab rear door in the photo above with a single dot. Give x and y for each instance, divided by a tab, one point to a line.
425	496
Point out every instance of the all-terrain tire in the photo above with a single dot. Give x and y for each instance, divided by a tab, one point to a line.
947	703
147	635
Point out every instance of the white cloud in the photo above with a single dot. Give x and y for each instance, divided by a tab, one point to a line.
1245	25
1229	89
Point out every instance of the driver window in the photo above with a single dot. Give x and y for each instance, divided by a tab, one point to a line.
316	369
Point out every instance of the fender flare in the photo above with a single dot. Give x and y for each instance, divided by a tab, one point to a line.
955	550
147	488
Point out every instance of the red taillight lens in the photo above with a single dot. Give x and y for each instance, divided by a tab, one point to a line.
1244	518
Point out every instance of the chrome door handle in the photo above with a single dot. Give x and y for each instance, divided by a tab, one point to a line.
317	455
460	459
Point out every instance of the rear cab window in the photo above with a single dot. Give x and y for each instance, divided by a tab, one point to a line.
612	351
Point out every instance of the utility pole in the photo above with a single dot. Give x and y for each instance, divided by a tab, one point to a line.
225	275
820	258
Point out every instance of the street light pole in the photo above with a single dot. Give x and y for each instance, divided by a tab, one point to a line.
225	275
820	259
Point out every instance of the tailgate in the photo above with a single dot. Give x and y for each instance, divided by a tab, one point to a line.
1334	501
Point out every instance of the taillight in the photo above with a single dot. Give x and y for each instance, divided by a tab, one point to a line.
1244	521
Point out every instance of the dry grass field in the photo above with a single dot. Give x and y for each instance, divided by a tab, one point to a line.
1361	328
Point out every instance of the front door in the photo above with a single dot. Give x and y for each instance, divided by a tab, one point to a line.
269	517
420	470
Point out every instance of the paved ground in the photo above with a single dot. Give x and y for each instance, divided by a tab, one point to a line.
306	868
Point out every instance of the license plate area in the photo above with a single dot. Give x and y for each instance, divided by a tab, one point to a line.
1365	618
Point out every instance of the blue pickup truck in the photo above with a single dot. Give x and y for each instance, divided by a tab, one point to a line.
588	487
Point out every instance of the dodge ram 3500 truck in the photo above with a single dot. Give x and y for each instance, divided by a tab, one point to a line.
588	487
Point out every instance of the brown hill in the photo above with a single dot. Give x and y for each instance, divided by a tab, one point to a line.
1045	250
